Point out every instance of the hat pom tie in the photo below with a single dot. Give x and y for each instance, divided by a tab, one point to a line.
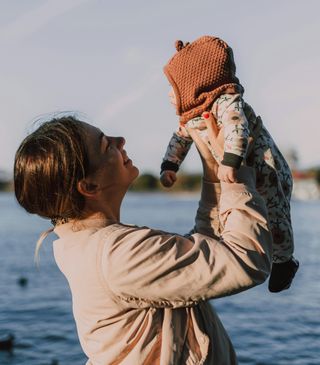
179	45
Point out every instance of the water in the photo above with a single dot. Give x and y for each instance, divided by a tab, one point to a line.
266	329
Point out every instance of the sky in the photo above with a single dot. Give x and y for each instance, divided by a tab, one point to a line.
103	62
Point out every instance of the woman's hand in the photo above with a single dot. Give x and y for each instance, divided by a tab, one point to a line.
227	174
208	145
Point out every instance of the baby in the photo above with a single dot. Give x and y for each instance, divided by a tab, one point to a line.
203	78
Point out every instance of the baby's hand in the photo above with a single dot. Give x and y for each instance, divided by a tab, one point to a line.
168	178
227	174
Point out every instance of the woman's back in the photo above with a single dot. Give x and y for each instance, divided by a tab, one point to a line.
117	330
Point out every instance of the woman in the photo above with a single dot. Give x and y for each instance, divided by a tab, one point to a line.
140	296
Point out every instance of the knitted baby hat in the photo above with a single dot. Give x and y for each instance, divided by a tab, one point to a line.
199	72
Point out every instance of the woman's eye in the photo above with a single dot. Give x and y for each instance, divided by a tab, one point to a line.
109	144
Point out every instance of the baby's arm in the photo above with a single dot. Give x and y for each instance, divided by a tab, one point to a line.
177	150
229	112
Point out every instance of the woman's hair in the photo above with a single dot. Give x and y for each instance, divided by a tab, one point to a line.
48	165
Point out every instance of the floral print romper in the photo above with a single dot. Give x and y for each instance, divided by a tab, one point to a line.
274	179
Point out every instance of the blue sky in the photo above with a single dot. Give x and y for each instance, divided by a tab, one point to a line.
104	60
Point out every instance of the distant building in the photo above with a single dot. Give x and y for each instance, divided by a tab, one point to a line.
292	158
305	186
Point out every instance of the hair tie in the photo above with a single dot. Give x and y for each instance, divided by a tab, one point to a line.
55	221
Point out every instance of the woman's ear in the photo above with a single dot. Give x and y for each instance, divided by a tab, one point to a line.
87	188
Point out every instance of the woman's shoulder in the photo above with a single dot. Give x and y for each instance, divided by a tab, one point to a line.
119	230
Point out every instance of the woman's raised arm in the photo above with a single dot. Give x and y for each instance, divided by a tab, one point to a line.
146	267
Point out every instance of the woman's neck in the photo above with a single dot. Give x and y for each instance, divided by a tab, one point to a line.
107	208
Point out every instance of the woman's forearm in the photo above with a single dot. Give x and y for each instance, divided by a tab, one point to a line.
207	218
169	270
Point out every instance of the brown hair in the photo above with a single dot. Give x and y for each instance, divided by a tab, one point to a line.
48	164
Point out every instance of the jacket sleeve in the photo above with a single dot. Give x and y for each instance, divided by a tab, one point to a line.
145	267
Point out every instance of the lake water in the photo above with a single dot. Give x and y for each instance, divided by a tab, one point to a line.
266	329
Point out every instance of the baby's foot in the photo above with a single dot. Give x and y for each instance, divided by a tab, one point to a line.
282	275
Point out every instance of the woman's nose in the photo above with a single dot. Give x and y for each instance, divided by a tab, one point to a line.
120	141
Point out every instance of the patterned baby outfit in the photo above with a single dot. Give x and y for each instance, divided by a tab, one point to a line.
203	76
274	180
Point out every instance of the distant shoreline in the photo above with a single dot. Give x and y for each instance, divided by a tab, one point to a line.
306	184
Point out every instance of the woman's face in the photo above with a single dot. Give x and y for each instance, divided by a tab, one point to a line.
107	158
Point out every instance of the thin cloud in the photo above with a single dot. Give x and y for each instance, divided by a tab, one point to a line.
33	20
119	105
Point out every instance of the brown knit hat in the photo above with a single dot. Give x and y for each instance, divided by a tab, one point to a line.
199	72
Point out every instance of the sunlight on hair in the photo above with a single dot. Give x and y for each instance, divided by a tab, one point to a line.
42	237
37	121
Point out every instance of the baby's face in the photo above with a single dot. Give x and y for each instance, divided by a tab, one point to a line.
172	97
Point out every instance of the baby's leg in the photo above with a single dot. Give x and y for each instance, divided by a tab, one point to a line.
274	183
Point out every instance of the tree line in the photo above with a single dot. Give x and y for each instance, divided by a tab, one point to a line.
185	182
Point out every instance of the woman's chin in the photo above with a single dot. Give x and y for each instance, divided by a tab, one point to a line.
136	172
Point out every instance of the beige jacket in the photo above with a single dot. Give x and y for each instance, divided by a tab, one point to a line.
140	296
